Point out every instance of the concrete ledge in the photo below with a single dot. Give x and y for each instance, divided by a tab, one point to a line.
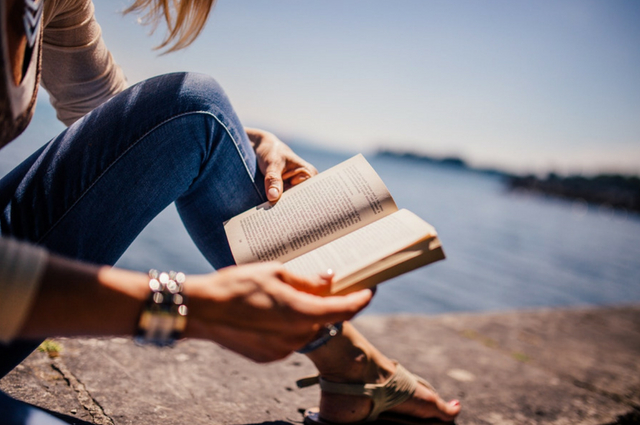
577	366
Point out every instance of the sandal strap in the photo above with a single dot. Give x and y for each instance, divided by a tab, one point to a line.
399	388
308	381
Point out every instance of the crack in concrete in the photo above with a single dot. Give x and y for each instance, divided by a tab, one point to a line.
84	397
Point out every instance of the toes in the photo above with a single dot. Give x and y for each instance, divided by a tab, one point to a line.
428	404
447	411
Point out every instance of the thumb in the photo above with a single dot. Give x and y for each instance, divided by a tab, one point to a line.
273	180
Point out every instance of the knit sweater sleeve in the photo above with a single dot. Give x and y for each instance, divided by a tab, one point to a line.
78	71
21	267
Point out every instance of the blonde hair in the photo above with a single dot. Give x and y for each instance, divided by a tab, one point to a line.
185	19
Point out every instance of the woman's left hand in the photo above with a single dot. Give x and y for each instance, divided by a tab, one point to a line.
281	167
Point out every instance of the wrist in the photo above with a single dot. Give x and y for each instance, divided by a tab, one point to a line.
204	302
128	291
133	285
163	318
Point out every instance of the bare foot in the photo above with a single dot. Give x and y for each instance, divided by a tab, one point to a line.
350	358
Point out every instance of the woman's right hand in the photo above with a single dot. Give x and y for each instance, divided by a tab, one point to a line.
263	311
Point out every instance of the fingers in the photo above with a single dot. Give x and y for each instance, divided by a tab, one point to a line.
301	172
308	302
260	347
279	178
344	307
273	184
279	164
333	309
317	286
263	311
325	309
327	275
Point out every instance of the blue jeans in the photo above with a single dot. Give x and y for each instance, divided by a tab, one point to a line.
90	191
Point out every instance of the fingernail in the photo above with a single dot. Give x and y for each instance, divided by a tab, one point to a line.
327	274
454	402
273	193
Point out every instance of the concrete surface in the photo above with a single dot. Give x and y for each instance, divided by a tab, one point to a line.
577	366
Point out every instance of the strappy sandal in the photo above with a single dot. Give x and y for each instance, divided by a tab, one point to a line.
398	389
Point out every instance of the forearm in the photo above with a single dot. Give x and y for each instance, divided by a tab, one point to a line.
260	310
79	299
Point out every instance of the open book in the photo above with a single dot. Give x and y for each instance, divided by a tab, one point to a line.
343	219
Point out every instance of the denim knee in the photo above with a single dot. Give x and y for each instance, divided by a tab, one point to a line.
200	93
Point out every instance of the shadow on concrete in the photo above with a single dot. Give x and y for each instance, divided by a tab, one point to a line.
630	418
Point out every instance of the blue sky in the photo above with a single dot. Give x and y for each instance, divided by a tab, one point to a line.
528	86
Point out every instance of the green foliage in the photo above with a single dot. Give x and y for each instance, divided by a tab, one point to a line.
51	348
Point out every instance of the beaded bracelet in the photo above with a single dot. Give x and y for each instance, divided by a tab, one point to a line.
164	316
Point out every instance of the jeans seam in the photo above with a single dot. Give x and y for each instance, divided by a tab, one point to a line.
95	181
238	149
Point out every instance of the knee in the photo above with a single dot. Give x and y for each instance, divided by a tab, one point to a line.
176	94
201	92
204	110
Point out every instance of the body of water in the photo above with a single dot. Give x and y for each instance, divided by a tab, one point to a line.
505	250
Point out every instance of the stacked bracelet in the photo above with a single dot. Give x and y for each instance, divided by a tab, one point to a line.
164	315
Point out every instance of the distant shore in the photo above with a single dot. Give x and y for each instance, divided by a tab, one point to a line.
610	190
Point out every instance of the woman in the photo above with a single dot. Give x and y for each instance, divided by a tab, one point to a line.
82	198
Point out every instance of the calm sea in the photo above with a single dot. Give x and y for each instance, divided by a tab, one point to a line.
505	250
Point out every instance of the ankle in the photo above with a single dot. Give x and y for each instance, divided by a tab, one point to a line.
349	358
353	367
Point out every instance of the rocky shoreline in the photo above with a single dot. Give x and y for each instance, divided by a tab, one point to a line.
608	190
615	191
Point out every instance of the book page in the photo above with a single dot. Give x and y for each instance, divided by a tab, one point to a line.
333	203
365	246
420	254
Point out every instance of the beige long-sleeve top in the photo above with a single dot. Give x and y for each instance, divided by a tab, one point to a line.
80	74
77	69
